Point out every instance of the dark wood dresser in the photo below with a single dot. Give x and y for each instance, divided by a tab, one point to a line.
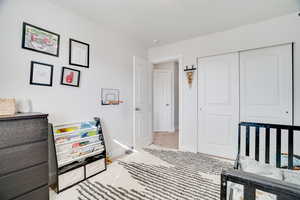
24	157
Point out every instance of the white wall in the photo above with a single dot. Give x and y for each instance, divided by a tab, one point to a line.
173	67
276	31
110	67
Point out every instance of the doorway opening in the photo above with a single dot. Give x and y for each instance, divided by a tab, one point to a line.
166	104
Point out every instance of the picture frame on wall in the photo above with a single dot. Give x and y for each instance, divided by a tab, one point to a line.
79	53
41	74
70	77
110	96
40	40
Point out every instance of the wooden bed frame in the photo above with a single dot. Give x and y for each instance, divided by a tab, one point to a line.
251	182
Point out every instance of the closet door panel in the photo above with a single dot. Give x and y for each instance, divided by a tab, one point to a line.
218	105
266	85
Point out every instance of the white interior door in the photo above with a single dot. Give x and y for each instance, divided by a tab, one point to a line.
162	100
218	105
266	85
142	134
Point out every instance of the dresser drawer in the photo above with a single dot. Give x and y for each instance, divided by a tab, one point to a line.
94	167
39	194
16	132
21	182
21	157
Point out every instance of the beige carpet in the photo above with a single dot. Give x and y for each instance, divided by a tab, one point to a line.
166	139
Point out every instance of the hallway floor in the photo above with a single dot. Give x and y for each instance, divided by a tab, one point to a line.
166	139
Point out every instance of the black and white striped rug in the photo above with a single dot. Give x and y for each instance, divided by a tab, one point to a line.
190	176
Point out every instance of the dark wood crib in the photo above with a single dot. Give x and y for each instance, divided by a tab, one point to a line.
252	182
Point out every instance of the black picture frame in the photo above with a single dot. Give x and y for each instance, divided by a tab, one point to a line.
33	63
44	30
63	73
70	53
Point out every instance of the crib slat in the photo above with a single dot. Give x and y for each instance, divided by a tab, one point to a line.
278	147
239	140
278	132
223	187
291	149
249	192
247	140
267	153
257	143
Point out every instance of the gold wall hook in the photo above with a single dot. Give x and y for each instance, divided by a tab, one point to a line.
190	74
190	77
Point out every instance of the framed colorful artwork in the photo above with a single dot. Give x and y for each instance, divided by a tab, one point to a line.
70	77
110	96
40	40
41	74
79	53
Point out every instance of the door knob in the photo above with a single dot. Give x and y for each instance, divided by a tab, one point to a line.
137	109
167	104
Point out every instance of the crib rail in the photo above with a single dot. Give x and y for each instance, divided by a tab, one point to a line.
253	182
279	128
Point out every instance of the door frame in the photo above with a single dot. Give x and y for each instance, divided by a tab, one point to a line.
179	59
172	128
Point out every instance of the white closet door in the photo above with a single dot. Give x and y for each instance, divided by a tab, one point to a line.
266	85
162	100
218	105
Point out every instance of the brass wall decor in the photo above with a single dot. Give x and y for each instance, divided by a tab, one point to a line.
190	74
